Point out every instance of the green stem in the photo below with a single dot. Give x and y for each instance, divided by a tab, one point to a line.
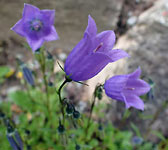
155	116
90	115
43	68
60	99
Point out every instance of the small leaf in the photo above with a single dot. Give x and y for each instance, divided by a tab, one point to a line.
158	134
135	128
4	70
21	99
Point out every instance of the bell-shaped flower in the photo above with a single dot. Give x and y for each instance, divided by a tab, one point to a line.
28	76
37	26
92	53
127	88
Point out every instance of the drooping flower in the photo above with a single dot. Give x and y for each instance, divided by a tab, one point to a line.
127	88
92	53
13	137
37	26
28	76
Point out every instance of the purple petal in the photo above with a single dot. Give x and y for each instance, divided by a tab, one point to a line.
19	139
30	11
116	54
132	100
35	44
18	28
27	73
138	87
52	35
12	142
114	86
107	39
48	15
136	74
91	28
87	66
82	49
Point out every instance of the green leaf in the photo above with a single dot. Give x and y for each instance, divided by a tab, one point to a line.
158	134
135	128
22	99
4	70
127	113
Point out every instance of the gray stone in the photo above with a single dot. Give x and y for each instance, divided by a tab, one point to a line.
132	20
147	45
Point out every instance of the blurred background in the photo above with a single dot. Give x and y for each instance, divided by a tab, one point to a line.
141	28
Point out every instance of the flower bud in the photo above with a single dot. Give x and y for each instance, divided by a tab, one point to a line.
51	87
38	55
76	114
18	138
100	127
10	129
98	92
29	147
151	94
50	62
27	132
49	56
2	115
61	129
69	109
13	142
28	76
137	140
77	147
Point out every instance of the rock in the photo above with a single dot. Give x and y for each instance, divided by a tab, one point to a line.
132	20
62	56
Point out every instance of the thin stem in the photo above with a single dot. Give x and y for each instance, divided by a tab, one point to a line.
156	115
60	99
43	68
90	115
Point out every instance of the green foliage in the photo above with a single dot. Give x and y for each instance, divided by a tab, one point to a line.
46	121
4	70
43	130
135	128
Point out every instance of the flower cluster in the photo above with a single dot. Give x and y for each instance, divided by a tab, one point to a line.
88	57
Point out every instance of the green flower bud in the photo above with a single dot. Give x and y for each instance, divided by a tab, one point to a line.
61	128
69	109
76	114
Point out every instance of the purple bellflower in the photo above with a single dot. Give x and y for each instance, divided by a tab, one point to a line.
127	88
36	25
92	53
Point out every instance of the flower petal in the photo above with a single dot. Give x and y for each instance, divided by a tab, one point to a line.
91	28
86	67
114	86
18	28
138	87
116	54
48	15
107	38
52	35
35	44
136	74
30	11
82	49
132	100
